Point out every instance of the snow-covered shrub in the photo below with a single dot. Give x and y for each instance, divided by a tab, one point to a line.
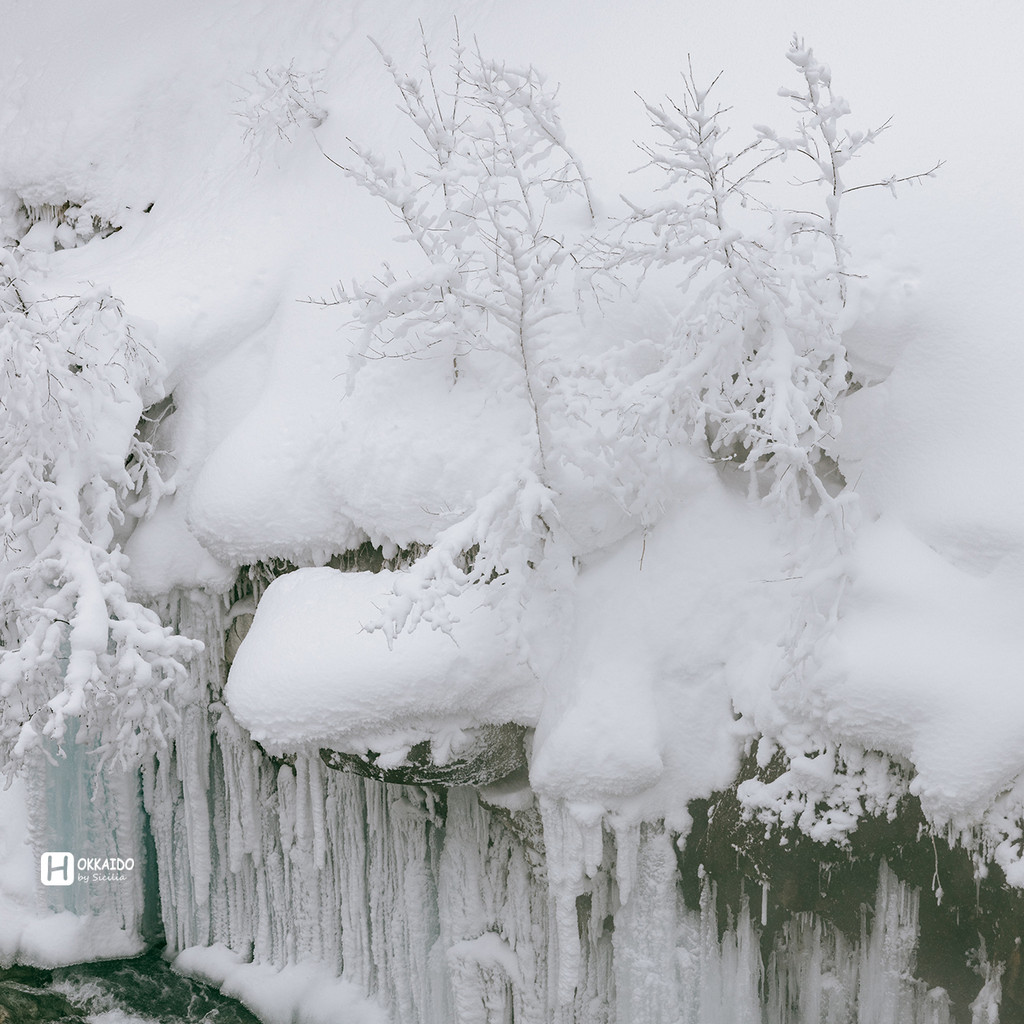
74	376
505	541
278	100
756	363
492	162
751	370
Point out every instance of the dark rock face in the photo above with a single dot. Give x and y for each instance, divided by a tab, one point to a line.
25	996
968	913
496	752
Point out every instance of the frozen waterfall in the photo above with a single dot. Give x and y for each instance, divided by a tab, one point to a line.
446	909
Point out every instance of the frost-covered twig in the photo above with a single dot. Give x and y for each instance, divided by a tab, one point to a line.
277	101
892	181
500	543
825	793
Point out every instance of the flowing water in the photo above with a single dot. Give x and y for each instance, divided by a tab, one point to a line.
143	990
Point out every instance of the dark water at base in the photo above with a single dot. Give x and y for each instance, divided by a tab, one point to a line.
143	990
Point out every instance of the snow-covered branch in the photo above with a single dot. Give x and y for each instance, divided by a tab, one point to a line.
278	100
73	379
493	159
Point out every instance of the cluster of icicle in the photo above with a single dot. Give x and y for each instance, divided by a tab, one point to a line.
460	914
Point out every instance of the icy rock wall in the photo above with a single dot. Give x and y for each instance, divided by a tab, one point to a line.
816	974
437	910
296	863
451	912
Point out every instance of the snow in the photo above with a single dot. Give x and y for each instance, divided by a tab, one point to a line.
17	873
400	477
925	664
348	691
67	938
649	674
668	626
306	992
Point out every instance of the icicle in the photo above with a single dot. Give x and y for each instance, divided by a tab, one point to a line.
193	762
936	883
627	848
564	844
316	805
646	986
303	826
490	916
985	1007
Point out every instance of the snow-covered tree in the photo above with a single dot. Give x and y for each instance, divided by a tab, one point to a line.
756	363
493	158
754	370
492	162
74	377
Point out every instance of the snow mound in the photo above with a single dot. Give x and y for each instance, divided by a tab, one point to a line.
671	627
399	458
309	675
309	992
925	663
